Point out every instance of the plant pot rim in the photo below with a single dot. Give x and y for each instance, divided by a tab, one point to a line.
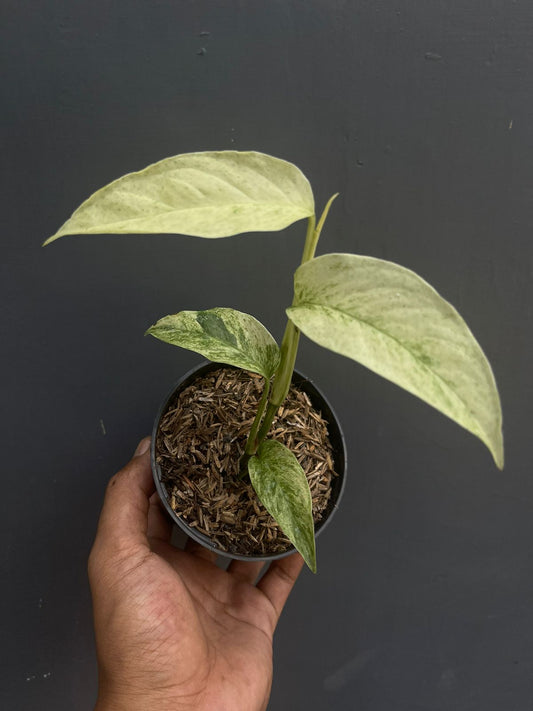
340	461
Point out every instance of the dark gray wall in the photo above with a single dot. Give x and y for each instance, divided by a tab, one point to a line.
420	115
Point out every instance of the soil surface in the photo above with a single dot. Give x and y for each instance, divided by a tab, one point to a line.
200	441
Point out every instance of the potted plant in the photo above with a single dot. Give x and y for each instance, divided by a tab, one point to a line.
373	311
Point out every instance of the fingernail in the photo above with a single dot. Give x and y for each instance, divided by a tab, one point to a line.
142	447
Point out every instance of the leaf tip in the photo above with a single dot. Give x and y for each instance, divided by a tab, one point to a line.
308	553
498	455
310	559
50	239
494	443
311	564
63	230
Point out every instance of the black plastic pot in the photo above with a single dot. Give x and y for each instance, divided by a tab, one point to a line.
318	401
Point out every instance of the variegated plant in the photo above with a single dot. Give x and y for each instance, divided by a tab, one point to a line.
373	311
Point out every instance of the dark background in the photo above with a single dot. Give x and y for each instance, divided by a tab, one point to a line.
420	113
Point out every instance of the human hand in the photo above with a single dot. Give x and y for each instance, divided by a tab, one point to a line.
174	631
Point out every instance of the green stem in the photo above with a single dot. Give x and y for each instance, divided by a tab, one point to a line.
311	239
251	444
289	349
282	381
291	337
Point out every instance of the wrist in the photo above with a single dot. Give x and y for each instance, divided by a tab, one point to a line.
142	702
135	705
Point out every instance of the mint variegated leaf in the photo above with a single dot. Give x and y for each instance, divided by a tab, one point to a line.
222	335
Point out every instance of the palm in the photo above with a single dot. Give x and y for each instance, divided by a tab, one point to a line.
211	630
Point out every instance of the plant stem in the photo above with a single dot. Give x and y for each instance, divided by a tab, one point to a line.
289	349
311	240
251	444
291	337
283	377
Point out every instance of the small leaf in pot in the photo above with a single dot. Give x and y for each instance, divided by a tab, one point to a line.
280	483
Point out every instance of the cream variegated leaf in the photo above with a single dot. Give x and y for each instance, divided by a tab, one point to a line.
222	335
393	322
281	485
209	194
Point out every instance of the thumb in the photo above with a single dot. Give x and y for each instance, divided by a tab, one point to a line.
124	517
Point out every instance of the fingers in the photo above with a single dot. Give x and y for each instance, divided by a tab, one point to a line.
244	571
124	516
199	551
279	580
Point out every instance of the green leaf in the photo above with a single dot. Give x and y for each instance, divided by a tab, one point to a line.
281	485
223	336
211	194
393	322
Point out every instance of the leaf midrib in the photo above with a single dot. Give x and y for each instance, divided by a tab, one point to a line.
240	352
189	209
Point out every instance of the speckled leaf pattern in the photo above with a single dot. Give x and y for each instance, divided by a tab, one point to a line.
223	336
210	194
281	485
393	322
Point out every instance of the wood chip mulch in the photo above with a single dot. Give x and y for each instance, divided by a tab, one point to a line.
200	441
